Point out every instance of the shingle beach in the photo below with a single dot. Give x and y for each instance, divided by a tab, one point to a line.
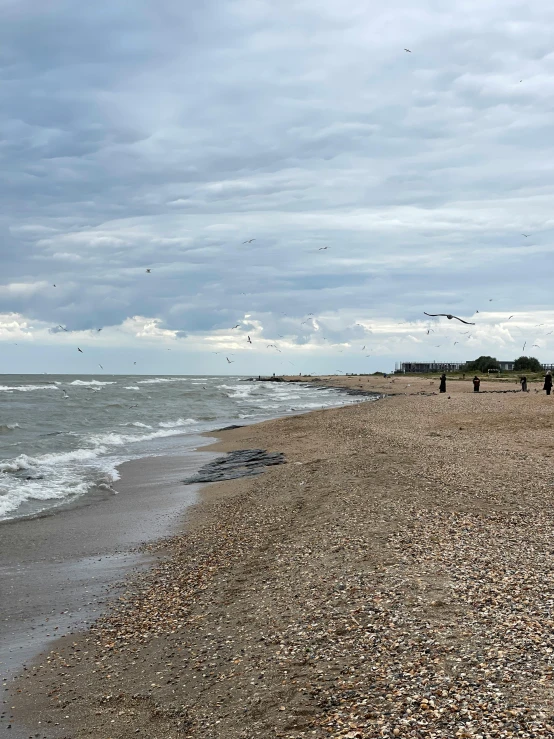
395	578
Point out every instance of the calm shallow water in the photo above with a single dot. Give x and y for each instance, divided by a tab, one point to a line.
62	436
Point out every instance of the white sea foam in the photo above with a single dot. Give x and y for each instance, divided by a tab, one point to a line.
52	476
5	428
139	424
240	391
88	383
115	439
26	388
177	423
132	387
157	380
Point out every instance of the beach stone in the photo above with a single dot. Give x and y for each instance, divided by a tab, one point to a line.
240	463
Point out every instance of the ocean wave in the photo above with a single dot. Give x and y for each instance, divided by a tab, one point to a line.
157	380
114	439
26	388
88	383
5	428
53	477
132	387
177	423
240	391
139	425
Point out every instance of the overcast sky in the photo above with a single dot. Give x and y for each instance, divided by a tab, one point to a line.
138	135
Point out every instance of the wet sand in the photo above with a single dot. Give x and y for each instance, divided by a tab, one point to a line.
394	578
57	570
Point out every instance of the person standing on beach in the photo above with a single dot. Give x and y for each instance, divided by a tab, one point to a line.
548	382
523	384
476	383
442	386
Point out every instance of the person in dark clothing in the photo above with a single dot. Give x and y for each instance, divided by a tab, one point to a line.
548	382
476	383
442	386
523	384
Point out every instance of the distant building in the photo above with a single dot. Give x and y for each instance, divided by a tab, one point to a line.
421	367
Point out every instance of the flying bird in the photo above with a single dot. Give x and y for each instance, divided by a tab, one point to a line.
450	317
230	362
149	271
249	340
237	326
532	345
548	334
363	347
79	350
249	241
526	235
101	367
524	347
429	331
456	342
65	395
62	328
408	50
98	330
510	317
322	248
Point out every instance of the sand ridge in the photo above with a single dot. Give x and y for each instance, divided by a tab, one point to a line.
394	578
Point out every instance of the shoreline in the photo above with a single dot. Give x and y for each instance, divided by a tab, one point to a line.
46	559
375	527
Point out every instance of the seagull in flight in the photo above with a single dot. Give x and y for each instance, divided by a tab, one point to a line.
363	347
230	362
65	395
408	50
548	334
234	327
429	331
79	350
149	271
450	317
525	344
526	235
62	328
456	342
98	330
101	367
510	317
249	241
322	248
249	340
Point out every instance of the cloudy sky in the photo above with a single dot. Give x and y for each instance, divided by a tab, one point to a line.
377	183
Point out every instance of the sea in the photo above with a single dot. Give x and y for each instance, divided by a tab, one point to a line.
62	437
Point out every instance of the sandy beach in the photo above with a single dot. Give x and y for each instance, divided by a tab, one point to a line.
393	578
